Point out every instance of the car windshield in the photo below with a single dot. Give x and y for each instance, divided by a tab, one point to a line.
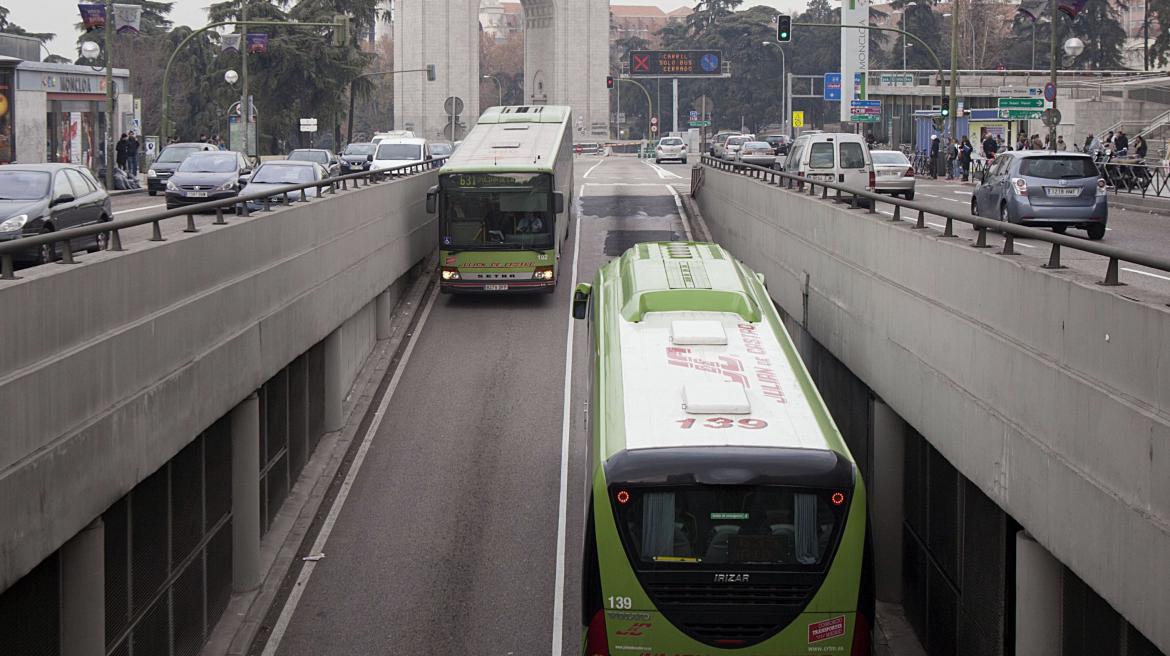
720	525
359	149
318	156
1058	167
24	185
399	151
283	174
172	154
880	157
441	150
209	163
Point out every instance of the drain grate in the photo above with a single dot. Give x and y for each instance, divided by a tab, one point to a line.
619	241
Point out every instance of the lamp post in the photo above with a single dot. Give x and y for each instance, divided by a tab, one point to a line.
91	50
245	101
499	87
783	97
905	43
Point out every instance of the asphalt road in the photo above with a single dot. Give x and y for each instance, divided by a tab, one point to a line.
447	543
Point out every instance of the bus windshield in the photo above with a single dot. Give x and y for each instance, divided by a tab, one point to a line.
729	525
481	211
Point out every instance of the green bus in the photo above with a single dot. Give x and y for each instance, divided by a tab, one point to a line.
725	514
503	199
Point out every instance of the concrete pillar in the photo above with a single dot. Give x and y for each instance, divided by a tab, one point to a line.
245	421
1038	598
889	444
334	386
382	309
83	592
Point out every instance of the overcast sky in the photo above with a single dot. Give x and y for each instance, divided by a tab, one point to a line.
59	16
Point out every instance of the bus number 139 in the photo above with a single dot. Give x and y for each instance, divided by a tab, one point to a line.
621	603
723	422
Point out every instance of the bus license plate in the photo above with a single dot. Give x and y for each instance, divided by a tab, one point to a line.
495	288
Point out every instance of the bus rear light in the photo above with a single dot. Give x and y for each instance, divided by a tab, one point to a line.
623	497
450	273
543	273
838	498
596	642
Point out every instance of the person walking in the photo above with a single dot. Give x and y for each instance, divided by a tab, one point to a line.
965	150
120	152
132	155
934	157
1140	148
990	147
952	158
1121	142
1036	143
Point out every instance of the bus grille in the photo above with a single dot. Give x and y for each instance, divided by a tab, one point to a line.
722	594
715	613
746	632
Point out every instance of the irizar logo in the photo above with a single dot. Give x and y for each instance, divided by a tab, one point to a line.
732	578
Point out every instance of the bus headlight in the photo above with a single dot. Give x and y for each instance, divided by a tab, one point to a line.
543	273
450	273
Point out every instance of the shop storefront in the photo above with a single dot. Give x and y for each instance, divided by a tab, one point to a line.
7	105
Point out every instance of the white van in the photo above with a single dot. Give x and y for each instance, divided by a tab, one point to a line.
379	137
840	157
400	152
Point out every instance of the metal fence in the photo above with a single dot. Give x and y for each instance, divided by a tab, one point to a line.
1011	231
60	244
1136	177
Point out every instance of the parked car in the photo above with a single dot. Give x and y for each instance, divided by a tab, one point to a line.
732	145
40	198
168	160
1046	189
672	148
277	175
357	157
840	157
779	143
756	153
400	152
204	177
893	173
328	161
718	139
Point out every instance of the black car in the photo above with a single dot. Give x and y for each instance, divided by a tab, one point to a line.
204	177
779	143
325	158
40	198
357	156
169	160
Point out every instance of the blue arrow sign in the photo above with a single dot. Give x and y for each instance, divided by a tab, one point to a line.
832	86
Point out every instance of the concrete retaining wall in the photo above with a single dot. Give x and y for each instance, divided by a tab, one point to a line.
1047	391
108	368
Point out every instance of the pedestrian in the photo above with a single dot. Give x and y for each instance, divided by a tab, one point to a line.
132	155
965	150
218	142
990	147
934	157
120	150
1121	142
1036	143
1140	149
1109	138
1088	147
1060	143
952	158
202	137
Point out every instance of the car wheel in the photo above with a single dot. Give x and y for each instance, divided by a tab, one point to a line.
103	240
1096	232
1003	213
1059	229
48	251
152	192
909	195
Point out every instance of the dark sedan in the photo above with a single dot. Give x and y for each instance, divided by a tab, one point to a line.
325	158
357	156
204	177
41	198
169	160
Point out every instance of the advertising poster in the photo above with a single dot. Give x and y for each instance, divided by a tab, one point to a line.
7	144
73	132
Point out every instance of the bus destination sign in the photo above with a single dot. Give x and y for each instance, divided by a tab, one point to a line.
536	181
676	63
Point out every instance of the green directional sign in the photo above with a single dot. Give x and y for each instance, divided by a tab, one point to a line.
1021	103
1021	114
700	124
865	118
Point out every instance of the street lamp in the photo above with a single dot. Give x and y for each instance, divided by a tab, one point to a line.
92	51
499	87
905	42
1074	47
783	98
230	76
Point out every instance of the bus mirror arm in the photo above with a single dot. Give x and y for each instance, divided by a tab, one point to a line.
558	202
432	199
581	299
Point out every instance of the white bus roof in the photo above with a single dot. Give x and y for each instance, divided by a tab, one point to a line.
525	138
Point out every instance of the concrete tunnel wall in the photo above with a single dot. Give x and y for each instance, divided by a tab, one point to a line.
108	368
1003	366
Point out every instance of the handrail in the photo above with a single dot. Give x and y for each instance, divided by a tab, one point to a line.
1011	231
238	204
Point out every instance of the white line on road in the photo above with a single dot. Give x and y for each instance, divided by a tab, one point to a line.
593	167
681	214
566	424
960	191
662	173
622	184
1146	273
139	209
294	596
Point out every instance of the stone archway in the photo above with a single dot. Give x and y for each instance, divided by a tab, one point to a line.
566	59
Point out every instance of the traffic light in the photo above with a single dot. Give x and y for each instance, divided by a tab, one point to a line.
430	72
608	81
783	28
946	107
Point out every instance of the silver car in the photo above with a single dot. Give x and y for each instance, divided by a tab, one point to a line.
757	153
276	176
1042	188
732	145
672	148
892	173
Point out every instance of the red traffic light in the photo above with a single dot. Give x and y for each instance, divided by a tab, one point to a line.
608	81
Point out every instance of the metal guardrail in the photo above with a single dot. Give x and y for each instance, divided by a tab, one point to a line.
237	204
1010	231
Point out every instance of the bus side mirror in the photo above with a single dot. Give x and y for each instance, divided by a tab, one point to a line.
581	299
558	202
763	281
432	200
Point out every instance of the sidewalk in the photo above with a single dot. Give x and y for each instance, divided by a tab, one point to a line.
893	636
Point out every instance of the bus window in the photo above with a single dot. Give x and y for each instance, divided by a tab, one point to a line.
496	216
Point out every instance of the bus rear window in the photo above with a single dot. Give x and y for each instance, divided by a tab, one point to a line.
729	525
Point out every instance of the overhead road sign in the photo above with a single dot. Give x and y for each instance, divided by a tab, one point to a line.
1021	114
1019	92
898	80
677	63
865	103
833	86
700	124
865	111
1021	103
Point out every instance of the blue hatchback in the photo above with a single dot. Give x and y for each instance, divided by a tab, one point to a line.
1045	189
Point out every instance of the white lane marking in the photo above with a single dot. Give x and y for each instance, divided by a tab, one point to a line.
593	167
622	184
681	214
563	498
662	173
294	597
1146	273
139	209
937	225
960	191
